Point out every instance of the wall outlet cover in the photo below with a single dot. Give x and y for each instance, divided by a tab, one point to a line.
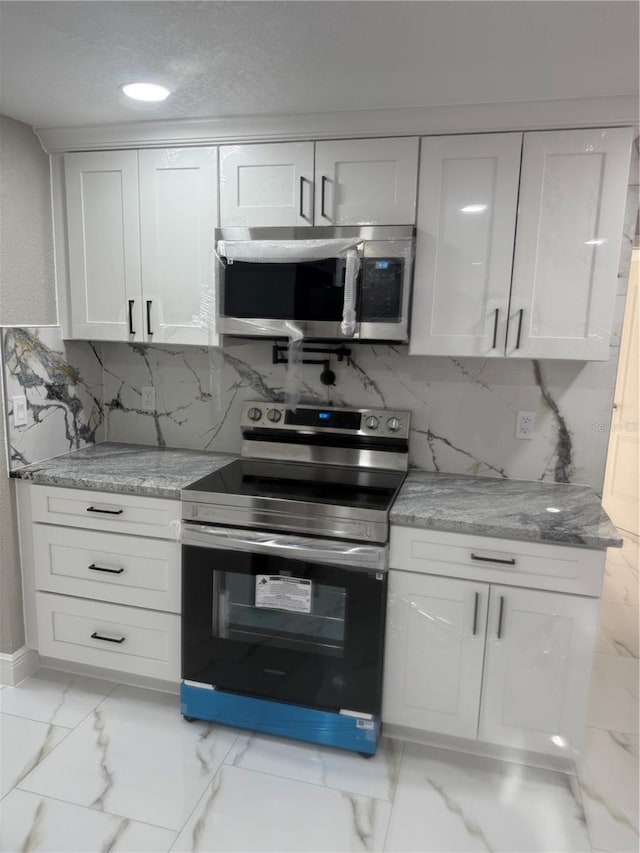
19	410
148	398
525	424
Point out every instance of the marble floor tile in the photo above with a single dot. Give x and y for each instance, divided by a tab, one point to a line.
243	810
617	630
332	768
447	801
621	584
55	697
23	745
134	756
29	822
608	774
613	703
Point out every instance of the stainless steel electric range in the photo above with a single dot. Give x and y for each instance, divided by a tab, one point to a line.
284	568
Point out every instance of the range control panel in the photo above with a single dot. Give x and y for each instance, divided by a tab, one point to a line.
386	423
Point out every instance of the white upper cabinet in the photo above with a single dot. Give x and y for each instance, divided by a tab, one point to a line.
101	191
139	228
572	201
366	181
434	650
266	184
178	213
536	671
464	250
354	182
557	301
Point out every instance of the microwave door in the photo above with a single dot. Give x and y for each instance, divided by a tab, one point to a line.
265	299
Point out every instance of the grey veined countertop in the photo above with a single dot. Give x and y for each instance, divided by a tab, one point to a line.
510	509
130	469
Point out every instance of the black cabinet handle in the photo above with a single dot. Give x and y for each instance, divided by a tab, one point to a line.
95	568
495	329
131	301
500	617
149	332
96	636
323	186
475	614
519	328
302	213
105	511
510	562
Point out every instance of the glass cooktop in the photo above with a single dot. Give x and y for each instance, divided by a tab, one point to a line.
291	481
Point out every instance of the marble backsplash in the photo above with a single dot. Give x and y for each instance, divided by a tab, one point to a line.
62	383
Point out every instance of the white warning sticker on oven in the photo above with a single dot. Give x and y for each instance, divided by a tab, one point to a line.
282	593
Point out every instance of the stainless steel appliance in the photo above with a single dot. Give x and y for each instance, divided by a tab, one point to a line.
285	574
273	295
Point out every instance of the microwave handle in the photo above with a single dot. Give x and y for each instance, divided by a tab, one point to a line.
312	550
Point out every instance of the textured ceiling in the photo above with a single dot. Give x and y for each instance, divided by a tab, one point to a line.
61	62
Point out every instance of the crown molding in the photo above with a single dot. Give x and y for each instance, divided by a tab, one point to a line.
401	121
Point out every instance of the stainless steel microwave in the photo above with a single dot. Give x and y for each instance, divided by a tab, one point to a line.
342	283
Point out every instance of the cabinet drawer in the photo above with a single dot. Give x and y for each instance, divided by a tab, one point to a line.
106	511
143	642
108	567
527	564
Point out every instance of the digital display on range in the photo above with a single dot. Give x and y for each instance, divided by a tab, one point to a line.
315	417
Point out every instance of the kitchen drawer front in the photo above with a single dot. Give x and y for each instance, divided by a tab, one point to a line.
527	564
133	514
108	567
142	642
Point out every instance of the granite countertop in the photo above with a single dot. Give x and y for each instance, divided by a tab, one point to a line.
485	506
130	469
509	509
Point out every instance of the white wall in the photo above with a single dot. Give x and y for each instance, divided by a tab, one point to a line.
27	295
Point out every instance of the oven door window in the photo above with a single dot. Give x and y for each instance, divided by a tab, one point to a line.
312	290
283	629
280	611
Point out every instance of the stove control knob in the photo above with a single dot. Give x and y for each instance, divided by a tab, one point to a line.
254	414
274	415
394	424
371	422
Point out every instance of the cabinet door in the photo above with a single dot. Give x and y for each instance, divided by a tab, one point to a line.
571	213
266	184
537	669
104	245
366	181
464	250
178	213
434	649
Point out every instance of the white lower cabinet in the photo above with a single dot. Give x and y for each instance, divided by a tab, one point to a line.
537	668
434	652
101	579
476	659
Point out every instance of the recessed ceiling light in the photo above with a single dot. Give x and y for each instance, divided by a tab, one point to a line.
474	208
145	91
552	509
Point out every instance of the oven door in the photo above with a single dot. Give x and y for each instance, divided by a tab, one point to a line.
265	299
289	618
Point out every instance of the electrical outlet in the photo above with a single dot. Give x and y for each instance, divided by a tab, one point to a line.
148	398
525	424
19	410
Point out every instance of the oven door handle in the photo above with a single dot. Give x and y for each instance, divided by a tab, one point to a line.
348	555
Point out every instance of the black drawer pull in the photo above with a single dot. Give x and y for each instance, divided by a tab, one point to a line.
519	327
149	332
500	617
131	331
96	636
105	511
475	614
510	562
495	329
95	568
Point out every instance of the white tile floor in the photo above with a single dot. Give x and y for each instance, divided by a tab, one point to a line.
87	765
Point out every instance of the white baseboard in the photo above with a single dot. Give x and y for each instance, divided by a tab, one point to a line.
18	666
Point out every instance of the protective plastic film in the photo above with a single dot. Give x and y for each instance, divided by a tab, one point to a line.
295	251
